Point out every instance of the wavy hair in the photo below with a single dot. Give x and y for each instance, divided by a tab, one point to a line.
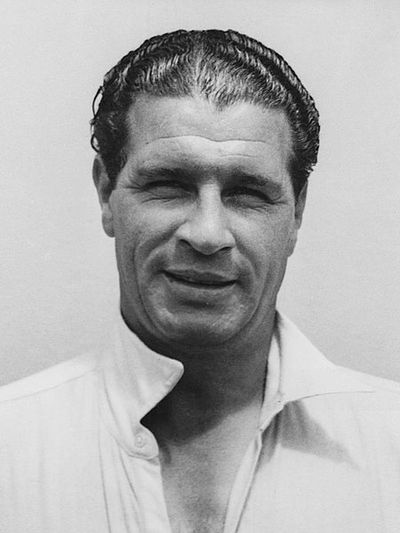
225	67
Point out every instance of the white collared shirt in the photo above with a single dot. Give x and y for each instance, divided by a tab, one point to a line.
74	457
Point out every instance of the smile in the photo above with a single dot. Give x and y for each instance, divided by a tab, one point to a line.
201	280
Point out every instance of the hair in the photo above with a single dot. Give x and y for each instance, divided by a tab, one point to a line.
224	67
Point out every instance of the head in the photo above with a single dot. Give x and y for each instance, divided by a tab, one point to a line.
187	128
223	67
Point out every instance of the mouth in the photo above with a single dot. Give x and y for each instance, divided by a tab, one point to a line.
201	280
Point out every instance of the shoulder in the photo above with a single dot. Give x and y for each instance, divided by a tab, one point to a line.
48	412
343	401
378	411
383	393
49	378
369	415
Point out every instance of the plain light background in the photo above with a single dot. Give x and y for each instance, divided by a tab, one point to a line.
57	275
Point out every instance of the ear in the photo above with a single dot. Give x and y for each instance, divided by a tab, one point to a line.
300	205
298	216
104	189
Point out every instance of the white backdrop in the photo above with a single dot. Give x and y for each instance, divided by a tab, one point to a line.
57	275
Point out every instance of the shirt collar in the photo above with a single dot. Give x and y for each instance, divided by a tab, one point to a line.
135	379
305	371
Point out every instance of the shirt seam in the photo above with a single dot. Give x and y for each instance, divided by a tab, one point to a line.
46	388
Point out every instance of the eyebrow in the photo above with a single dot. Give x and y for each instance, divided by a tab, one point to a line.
161	172
241	177
254	179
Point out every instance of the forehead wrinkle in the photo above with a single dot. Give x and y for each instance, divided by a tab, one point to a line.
177	137
228	148
176	154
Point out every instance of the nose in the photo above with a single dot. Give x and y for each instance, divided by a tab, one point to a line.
205	228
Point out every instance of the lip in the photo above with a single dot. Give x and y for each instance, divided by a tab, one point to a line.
194	278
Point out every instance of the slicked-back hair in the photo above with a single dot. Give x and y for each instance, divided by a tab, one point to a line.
224	67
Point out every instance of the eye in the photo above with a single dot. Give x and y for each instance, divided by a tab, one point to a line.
167	188
163	183
246	196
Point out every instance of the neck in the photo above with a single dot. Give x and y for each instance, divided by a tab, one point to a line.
217	384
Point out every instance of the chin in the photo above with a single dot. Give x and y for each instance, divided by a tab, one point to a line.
198	331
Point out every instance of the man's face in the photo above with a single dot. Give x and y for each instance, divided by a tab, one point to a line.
204	219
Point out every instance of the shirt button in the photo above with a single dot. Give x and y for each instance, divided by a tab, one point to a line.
140	440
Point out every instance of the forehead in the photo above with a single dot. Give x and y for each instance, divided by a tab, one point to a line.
191	131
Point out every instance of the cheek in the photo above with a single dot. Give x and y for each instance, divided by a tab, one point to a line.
266	242
141	236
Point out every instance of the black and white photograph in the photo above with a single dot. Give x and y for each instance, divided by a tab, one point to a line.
200	266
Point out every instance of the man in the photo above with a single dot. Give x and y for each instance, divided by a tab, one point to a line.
209	411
